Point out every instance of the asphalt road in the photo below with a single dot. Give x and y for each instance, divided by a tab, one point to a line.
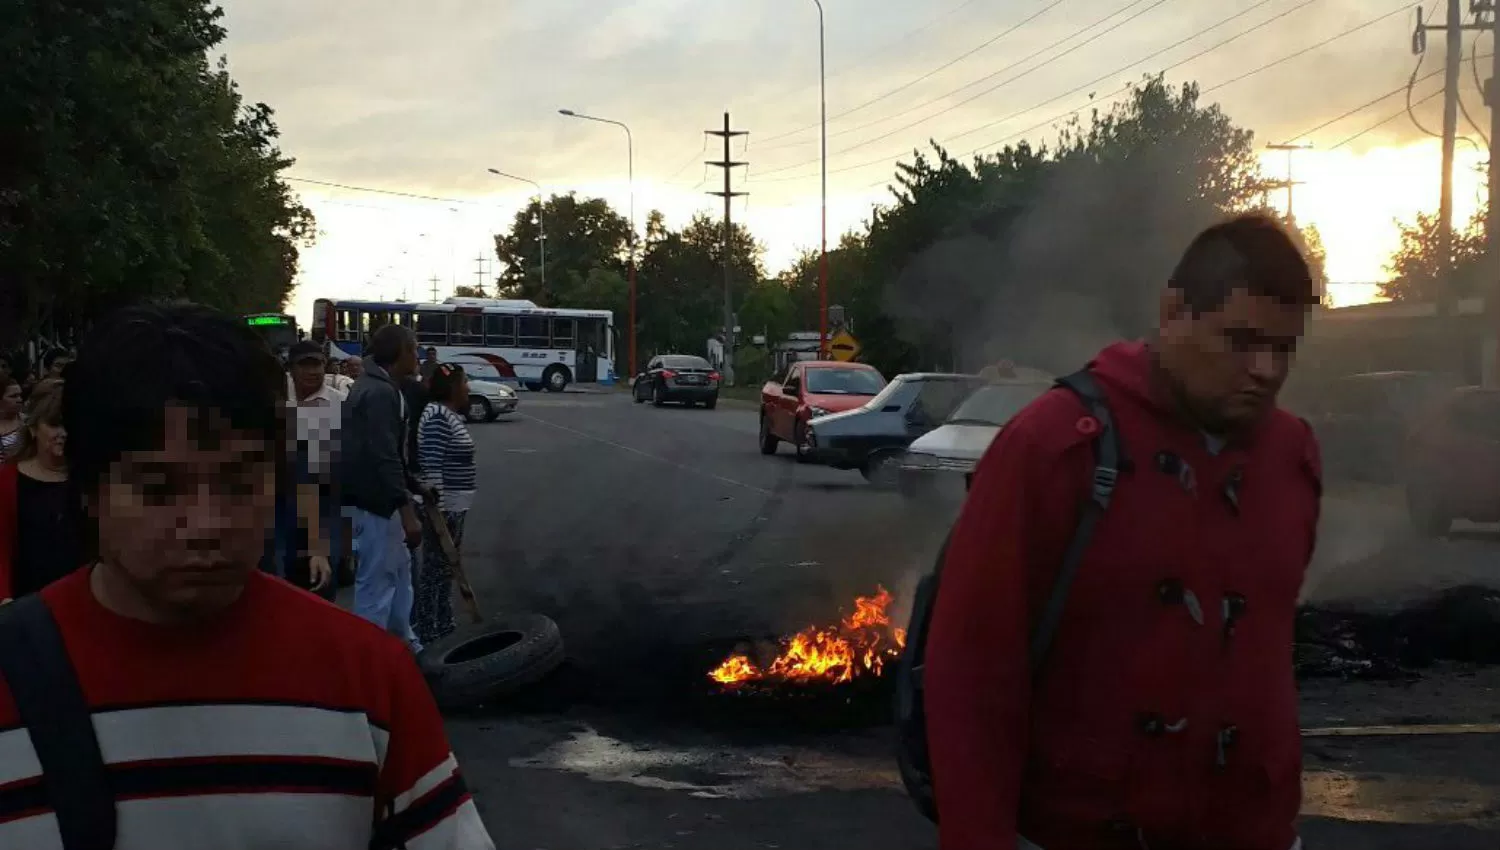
661	538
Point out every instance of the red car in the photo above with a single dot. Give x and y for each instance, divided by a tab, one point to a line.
808	390
1452	469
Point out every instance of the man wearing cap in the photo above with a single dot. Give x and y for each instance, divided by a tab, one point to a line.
304	536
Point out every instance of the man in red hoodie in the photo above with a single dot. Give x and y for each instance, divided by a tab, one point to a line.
1165	713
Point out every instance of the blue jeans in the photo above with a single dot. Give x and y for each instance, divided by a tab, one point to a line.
382	580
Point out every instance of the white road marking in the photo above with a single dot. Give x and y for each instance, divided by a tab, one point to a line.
658	458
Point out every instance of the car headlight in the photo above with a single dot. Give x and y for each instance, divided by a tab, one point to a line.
506	392
817	411
919	460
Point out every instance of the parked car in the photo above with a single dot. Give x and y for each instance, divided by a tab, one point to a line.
1362	421
678	377
872	437
810	389
953	450
489	400
1452	469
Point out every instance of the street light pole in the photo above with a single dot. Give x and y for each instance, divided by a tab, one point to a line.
541	219
823	124
630	165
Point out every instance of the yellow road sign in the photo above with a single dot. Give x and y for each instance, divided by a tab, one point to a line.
843	347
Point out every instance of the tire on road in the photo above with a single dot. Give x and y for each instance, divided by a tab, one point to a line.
883	469
635	393
495	659
556	378
768	440
658	396
712	403
479	409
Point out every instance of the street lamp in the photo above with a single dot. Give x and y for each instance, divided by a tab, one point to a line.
823	122
541	219
630	153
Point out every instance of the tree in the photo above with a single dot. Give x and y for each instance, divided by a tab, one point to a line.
680	291
583	235
1417	271
465	291
133	169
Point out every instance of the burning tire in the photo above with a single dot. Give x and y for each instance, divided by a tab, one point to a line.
481	663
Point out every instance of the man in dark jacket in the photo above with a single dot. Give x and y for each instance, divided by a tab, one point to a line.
375	483
1165	714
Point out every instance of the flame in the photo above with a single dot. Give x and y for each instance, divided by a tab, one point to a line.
859	645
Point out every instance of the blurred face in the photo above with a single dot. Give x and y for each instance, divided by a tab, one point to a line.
1229	364
307	376
58	366
461	392
406	365
354	367
182	527
10	400
431	354
51	442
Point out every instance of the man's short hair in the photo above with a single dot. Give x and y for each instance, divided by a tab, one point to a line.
389	343
1252	252
137	361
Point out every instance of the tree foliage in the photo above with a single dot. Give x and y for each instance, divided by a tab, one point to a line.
134	169
1416	268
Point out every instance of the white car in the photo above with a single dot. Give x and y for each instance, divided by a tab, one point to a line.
954	448
489	400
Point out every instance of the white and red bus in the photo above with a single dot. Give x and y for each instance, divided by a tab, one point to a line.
510	341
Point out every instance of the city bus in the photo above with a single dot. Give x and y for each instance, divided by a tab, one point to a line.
279	330
494	339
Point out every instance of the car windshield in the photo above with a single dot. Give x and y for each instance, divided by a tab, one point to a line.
684	362
844	381
995	404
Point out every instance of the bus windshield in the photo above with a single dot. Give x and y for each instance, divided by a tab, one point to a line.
279	330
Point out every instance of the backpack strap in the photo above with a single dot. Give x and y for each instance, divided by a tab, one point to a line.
40	677
1108	458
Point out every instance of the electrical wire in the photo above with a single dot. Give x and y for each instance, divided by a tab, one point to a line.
1474	67
919	122
1127	88
1386	120
350	188
690	160
1410	84
939	69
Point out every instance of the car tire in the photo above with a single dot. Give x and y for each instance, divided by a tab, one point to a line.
555	379
768	440
1427	515
477	664
479	409
712	402
658	396
799	434
635	393
883	469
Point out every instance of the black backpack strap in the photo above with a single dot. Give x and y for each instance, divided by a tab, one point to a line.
40	677
1108	457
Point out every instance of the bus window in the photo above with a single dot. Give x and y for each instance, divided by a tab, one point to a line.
534	332
432	328
466	329
347	327
500	331
564	333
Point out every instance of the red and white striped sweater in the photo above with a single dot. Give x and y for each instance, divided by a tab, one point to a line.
285	723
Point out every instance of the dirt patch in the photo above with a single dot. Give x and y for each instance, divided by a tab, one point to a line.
1458	625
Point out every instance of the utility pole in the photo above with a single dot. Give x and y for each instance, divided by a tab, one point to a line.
479	274
1491	365
1288	183
434	280
728	194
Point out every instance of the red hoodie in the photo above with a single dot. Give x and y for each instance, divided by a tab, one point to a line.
1153	719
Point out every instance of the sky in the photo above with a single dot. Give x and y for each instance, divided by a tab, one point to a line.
423	98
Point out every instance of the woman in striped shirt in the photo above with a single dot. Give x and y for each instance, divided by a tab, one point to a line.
447	458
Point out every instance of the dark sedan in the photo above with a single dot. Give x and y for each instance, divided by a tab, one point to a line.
678	378
873	437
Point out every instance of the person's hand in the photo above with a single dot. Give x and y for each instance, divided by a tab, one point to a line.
412	527
319	572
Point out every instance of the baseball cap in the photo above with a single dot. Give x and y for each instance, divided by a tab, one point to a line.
304	350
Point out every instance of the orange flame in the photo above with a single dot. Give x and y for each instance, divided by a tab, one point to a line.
860	645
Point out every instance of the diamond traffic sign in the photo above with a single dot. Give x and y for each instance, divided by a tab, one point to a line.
843	347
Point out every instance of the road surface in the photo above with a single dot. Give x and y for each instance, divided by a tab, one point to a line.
660	538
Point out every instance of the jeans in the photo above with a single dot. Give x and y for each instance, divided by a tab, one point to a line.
383	581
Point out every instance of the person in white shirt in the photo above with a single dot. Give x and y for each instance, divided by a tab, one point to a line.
316	428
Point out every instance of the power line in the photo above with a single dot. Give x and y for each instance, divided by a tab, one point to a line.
1366	105
1000	85
939	69
1126	88
1386	120
350	188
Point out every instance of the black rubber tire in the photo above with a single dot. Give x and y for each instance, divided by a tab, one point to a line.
797	436
882	469
556	379
713	402
477	664
483	404
658	396
768	440
635	393
1427	515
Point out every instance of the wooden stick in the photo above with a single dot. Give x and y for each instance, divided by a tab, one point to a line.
1413	729
450	551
